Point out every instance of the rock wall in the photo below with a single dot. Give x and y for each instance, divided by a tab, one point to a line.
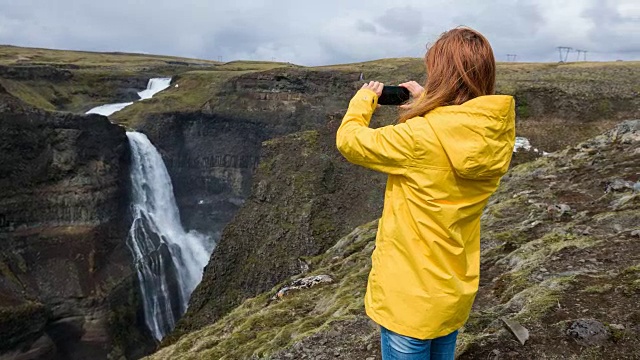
285	100
64	218
211	160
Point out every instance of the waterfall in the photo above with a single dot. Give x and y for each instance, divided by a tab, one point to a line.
154	86
169	261
108	109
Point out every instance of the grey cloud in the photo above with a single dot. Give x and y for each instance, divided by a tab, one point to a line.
315	33
402	21
366	26
612	30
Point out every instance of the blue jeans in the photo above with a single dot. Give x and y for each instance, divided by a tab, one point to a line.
399	347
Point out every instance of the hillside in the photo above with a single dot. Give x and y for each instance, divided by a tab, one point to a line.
561	255
589	96
77	81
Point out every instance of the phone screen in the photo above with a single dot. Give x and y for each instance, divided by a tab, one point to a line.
394	95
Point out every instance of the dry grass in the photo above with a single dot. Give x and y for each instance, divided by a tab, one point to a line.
12	55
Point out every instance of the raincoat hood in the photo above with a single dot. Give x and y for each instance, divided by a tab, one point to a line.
478	136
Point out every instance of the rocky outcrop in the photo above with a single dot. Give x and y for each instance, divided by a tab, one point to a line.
304	198
285	100
35	72
66	277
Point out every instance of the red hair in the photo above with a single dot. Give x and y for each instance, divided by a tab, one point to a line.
460	66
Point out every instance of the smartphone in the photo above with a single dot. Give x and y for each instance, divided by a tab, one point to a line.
394	95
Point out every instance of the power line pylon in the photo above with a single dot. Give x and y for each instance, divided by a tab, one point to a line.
566	49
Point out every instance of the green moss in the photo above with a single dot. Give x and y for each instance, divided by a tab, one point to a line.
522	107
617	335
633	269
512	283
598	289
604	108
33	95
479	320
540	299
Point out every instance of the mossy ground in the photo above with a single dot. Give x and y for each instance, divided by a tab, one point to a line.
261	326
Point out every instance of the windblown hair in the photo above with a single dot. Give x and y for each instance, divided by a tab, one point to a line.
460	67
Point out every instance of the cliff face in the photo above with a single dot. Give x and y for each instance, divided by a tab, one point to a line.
285	100
211	160
66	284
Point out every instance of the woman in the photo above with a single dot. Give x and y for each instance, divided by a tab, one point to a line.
444	158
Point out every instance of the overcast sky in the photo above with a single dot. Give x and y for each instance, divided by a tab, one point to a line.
322	32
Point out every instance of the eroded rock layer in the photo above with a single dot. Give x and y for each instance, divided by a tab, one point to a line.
66	289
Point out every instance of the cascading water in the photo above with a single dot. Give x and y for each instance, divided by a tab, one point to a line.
154	86
108	109
168	260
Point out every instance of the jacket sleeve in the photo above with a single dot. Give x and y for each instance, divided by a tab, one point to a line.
387	149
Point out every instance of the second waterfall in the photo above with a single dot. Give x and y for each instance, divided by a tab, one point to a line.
168	260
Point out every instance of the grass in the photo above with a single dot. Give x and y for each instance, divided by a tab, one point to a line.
195	89
13	55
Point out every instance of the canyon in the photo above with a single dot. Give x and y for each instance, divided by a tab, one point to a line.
249	149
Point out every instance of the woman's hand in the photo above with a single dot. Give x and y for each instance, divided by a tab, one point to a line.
414	88
374	86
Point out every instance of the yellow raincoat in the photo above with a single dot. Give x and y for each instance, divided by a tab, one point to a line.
442	169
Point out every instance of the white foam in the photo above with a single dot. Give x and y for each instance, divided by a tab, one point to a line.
154	86
108	109
169	260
